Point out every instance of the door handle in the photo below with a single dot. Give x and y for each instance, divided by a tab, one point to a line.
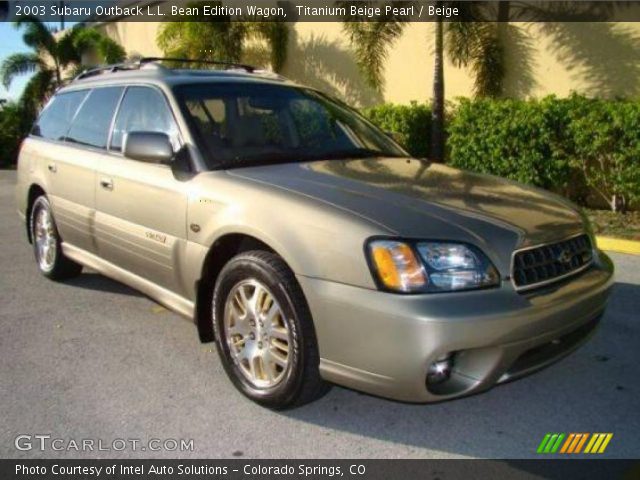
52	167
106	183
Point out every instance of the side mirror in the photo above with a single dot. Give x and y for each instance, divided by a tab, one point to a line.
151	147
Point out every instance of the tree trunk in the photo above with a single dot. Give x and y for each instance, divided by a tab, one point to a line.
437	106
502	29
61	16
503	11
618	203
58	72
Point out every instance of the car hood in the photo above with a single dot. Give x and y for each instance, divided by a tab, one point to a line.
419	199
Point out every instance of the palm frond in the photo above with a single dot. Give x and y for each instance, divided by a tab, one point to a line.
37	35
66	49
460	40
75	70
371	42
19	64
111	51
477	45
91	41
276	34
37	91
217	38
488	65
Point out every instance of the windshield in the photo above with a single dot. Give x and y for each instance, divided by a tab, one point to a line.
243	124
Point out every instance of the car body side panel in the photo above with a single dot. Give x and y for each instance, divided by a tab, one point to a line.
141	219
314	239
27	175
67	176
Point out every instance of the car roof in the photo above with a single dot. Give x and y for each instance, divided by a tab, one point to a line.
154	73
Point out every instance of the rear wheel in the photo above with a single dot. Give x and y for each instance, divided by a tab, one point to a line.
264	332
47	247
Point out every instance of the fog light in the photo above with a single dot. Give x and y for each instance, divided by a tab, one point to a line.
440	370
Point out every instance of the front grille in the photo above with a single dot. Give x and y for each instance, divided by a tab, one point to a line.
541	265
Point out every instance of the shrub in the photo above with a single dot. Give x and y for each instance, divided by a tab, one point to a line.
15	122
606	148
517	139
410	124
572	146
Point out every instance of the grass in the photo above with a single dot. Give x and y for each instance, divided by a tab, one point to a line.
619	225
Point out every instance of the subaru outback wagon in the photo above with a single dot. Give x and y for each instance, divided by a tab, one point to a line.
304	240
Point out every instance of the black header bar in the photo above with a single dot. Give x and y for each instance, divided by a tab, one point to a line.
319	11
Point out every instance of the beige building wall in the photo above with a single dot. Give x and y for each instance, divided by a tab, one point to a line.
597	59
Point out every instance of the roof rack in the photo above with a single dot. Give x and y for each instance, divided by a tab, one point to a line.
104	69
139	63
247	68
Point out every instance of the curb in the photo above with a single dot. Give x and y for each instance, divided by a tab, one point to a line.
618	245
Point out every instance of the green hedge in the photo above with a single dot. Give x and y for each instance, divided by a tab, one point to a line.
410	124
15	122
574	146
521	140
605	139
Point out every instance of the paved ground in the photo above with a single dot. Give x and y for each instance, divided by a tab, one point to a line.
94	359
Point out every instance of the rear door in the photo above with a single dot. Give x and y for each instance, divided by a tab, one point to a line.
75	127
141	207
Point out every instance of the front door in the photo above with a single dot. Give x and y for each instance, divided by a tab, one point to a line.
141	207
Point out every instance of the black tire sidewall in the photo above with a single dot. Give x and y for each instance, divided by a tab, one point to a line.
244	268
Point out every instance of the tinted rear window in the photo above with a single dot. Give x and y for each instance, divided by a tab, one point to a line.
91	124
56	117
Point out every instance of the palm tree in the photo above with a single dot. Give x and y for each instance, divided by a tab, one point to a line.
480	46
42	41
371	42
52	55
94	48
221	39
437	103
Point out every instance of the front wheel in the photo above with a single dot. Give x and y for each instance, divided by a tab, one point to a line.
264	332
47	246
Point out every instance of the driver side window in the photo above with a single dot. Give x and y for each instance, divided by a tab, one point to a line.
143	109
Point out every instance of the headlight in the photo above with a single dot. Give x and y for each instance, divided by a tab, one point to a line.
396	266
430	266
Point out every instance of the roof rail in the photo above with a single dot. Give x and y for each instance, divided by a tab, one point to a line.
247	68
106	69
139	63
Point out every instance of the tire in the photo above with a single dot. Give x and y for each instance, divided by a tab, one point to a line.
256	367
54	265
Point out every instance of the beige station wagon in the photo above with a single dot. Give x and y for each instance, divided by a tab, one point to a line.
310	245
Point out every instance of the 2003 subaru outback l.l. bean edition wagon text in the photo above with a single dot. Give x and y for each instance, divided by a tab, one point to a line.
305	240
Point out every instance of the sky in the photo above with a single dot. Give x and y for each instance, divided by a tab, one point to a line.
10	43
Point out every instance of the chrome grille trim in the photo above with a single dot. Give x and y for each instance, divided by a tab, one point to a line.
518	284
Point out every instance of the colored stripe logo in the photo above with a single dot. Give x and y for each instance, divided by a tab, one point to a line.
574	443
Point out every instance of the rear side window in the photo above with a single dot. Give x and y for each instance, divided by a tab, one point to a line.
91	124
55	120
143	109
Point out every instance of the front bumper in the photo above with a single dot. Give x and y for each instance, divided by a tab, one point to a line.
383	343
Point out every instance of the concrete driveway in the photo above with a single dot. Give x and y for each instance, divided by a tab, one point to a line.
93	359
